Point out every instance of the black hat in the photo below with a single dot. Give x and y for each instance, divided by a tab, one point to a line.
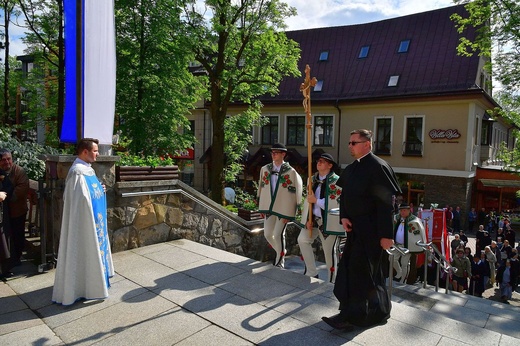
328	157
278	146
404	206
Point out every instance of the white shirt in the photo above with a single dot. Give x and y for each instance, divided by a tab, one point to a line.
399	236
274	177
320	202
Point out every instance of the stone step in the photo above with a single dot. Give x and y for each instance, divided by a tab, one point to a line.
461	308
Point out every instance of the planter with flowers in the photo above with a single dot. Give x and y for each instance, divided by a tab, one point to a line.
247	206
133	168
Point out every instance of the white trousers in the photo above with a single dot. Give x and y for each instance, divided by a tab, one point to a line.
330	249
401	266
274	232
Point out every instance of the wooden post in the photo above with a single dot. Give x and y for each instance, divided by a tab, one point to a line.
305	88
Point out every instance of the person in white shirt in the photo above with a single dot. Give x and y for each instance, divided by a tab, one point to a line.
324	197
280	191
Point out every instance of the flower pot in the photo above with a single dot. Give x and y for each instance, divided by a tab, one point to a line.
249	215
137	173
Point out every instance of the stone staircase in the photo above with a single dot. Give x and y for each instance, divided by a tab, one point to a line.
471	315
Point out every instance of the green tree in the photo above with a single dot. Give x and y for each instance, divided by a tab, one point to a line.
155	89
497	25
243	49
9	9
498	34
44	86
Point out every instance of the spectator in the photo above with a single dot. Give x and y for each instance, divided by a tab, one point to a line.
472	218
6	190
463	237
496	251
510	235
448	211
485	241
455	243
507	249
460	276
478	271
482	215
456	219
492	261
500	233
506	280
17	204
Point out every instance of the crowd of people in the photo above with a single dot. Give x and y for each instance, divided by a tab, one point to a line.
494	262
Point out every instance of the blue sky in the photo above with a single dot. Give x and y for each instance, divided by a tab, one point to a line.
321	13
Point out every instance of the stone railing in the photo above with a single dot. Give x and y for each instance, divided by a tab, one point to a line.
142	213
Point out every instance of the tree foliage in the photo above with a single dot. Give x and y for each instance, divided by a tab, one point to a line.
498	36
245	53
155	88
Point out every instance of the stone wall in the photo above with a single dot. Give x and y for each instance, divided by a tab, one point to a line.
142	213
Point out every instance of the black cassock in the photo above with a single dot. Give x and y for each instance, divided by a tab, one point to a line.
366	200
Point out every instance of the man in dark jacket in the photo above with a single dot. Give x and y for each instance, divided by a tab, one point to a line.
366	215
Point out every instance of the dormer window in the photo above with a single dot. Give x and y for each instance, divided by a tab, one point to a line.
363	53
404	46
324	55
318	86
393	80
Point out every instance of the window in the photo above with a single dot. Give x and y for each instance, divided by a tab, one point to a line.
393	81
413	144
383	137
296	130
323	134
318	86
270	131
485	135
363	53
324	55
403	46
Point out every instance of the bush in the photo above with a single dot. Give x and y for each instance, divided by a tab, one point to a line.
144	161
25	154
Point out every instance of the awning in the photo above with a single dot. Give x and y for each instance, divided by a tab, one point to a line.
500	183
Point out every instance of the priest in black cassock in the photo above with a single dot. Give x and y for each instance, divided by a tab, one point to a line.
366	214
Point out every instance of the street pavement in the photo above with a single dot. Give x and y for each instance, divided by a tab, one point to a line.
186	293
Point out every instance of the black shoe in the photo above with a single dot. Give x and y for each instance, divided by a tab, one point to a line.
337	322
6	275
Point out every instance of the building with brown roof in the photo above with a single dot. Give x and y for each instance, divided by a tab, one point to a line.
401	78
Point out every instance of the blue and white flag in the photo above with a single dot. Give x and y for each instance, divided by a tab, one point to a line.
97	73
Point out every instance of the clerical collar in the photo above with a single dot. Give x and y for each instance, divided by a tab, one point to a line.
359	160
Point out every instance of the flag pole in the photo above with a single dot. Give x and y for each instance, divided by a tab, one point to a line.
305	88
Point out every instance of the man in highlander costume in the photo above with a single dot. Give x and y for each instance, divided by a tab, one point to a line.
324	197
84	257
409	229
279	194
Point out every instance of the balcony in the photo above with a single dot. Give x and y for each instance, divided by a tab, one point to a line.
412	148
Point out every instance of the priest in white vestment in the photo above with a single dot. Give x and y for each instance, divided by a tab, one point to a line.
84	257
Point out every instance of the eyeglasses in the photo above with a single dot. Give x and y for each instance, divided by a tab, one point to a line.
276	152
354	142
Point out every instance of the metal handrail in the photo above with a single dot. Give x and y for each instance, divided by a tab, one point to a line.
403	251
440	259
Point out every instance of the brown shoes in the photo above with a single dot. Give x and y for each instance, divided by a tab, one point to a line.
337	322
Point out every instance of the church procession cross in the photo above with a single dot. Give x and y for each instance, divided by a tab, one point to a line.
305	88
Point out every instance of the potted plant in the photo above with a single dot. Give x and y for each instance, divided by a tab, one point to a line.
247	206
135	167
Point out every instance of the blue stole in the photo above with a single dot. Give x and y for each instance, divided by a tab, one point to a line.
99	208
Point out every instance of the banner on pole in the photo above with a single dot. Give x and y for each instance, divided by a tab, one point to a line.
98	70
